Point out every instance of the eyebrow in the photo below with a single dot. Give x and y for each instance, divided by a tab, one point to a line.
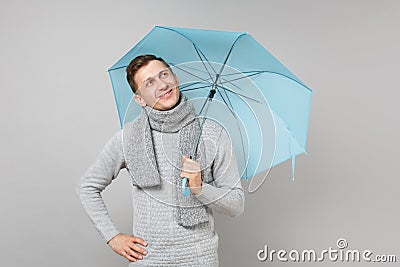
152	77
158	73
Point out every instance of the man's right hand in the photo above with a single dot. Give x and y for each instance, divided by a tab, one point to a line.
125	245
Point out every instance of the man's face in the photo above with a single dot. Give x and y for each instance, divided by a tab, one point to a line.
157	86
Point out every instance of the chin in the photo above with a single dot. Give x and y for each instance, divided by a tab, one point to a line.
171	102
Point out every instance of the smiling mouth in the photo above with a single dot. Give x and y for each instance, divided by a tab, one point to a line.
166	94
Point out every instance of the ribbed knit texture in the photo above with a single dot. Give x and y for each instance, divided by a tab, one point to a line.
142	163
154	212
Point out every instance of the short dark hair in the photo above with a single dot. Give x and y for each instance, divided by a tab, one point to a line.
137	63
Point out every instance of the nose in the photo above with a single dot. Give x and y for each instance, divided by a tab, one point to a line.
162	85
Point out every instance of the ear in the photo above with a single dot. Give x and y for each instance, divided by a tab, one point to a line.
139	100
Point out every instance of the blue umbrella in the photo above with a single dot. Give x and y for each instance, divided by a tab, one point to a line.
232	79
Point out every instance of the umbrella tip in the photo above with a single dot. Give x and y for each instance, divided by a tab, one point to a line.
293	165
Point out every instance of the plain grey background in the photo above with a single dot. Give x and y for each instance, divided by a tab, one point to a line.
58	110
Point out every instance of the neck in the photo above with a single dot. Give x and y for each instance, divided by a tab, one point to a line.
171	120
177	102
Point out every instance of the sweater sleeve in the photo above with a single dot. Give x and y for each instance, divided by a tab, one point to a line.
226	195
100	174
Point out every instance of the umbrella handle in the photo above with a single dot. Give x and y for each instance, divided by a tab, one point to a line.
185	189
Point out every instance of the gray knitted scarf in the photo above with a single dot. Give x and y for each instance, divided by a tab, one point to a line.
142	163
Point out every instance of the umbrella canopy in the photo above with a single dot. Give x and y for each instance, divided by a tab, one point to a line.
264	107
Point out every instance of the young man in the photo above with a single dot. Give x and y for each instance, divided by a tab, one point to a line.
169	229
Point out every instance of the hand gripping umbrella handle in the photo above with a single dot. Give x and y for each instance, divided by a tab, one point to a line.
185	189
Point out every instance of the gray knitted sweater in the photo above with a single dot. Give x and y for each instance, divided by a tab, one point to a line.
169	244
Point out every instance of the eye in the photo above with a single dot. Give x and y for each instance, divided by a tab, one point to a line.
164	74
149	83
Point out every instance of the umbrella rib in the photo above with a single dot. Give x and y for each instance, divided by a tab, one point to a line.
253	73
233	92
230	103
204	80
195	69
229	53
230	81
277	73
198	50
221	77
224	80
243	77
236	119
196	88
187	85
202	61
